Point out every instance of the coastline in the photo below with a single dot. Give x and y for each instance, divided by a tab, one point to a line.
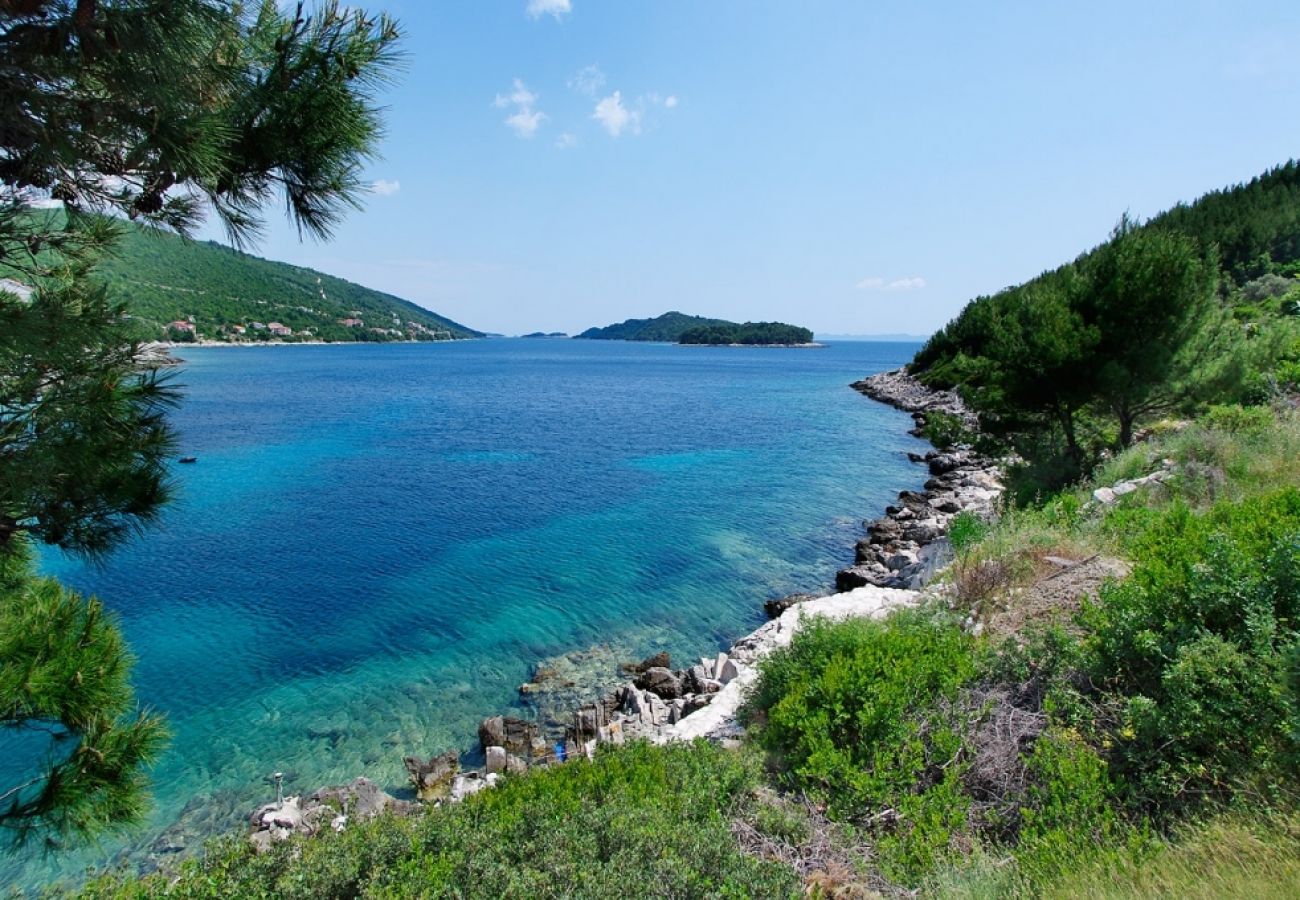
894	563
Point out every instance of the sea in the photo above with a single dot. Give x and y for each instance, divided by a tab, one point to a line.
378	544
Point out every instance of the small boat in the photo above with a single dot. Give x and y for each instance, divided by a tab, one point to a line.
189	459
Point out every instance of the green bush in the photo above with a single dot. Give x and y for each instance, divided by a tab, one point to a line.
1188	652
855	711
1236	419
965	531
945	430
637	820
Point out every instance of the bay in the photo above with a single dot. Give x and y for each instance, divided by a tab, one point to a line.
377	544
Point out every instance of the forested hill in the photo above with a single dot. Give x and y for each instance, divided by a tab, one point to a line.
1195	307
668	327
676	327
165	279
1250	231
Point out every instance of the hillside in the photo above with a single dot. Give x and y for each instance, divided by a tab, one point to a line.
166	279
1252	230
667	328
675	327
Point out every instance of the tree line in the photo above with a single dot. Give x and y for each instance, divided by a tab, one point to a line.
1188	308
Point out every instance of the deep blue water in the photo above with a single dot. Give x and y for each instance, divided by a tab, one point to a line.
378	543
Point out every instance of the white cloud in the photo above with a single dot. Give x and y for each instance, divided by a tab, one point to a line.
557	8
566	141
525	120
670	101
588	80
385	188
519	95
898	284
614	117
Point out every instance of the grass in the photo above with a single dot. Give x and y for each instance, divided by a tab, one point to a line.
1233	855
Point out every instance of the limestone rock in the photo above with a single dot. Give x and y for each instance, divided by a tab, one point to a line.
433	779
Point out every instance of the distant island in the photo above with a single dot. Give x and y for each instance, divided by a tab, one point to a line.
679	328
553	335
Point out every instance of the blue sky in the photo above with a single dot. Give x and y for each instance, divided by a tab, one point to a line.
855	167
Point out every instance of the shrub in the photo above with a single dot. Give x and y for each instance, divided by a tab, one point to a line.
965	531
945	430
1189	651
856	712
637	819
1236	419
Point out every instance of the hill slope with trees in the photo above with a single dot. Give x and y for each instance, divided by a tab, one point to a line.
164	278
1195	305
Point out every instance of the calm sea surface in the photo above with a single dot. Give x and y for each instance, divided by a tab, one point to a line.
378	543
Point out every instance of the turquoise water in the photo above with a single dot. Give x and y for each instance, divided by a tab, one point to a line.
378	543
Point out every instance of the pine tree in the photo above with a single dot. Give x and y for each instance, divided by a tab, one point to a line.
156	111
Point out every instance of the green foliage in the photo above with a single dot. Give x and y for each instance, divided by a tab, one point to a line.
84	442
965	531
64	679
854	710
753	333
1237	419
1072	361
1069	802
149	108
945	430
637	820
1189	651
152	111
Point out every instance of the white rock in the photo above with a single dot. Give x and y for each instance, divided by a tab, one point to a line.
496	759
1124	487
1104	495
729	671
718	719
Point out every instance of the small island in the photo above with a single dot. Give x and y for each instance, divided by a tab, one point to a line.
749	334
679	328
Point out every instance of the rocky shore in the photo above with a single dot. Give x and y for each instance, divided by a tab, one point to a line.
902	551
905	547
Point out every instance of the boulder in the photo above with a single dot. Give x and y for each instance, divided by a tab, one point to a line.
433	779
360	799
775	607
465	785
697	703
693	680
944	463
588	719
492	732
661	681
728	672
519	735
496	759
659	660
